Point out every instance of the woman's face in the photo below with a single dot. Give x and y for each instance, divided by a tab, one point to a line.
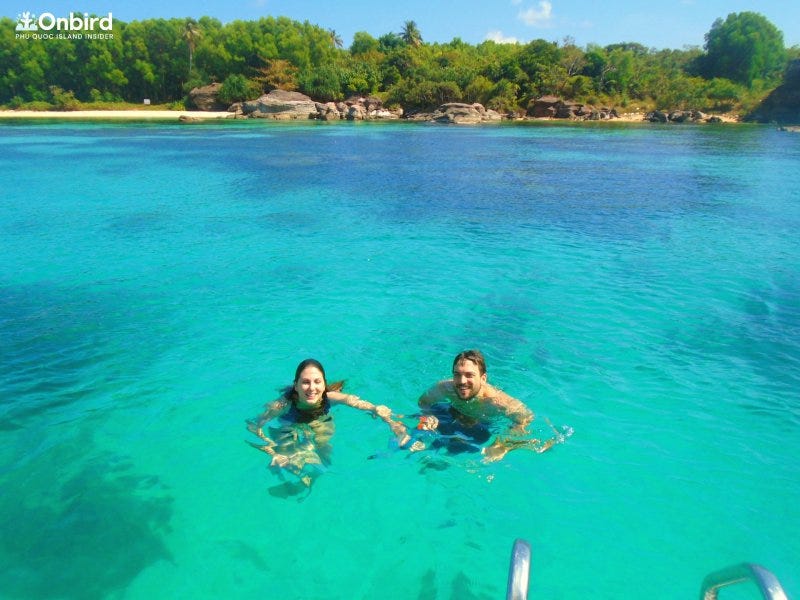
310	386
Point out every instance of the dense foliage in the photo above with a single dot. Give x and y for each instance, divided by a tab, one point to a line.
744	48
163	59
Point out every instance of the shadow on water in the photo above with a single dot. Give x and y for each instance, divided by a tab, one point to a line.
461	588
245	553
61	345
761	331
84	538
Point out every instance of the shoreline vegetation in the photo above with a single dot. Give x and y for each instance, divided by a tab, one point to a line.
161	62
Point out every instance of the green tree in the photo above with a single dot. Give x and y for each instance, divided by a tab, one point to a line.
322	83
723	94
389	41
598	66
363	43
538	59
336	39
745	47
411	34
191	33
237	88
278	74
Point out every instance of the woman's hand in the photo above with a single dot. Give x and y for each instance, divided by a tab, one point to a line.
279	460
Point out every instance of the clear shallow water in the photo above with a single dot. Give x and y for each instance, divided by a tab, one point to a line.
159	283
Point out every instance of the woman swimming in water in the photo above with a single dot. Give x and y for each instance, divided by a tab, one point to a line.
301	442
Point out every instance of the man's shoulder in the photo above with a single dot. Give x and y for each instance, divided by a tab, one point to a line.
439	390
495	394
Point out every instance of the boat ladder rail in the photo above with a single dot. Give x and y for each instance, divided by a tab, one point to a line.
767	583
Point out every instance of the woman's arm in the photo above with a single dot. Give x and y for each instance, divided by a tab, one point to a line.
384	413
271	411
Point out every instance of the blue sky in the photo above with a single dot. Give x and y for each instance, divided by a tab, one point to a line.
665	24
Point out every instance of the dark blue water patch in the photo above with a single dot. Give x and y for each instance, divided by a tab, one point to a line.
83	536
61	345
414	175
770	333
140	223
586	179
762	332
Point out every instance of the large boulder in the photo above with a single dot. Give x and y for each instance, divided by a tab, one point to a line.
553	107
368	108
281	105
543	107
206	97
464	114
328	111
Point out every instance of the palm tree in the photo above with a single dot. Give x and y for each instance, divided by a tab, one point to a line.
191	33
336	39
411	34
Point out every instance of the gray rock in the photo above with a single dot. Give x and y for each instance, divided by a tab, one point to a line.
281	105
543	107
463	114
328	111
356	112
657	116
206	97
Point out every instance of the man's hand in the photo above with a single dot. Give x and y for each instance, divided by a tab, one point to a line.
428	423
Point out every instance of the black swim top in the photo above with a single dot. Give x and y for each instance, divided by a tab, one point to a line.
297	415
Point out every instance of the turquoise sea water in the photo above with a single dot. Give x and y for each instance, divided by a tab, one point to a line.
159	284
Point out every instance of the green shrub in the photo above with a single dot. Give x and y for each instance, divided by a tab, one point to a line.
64	100
237	88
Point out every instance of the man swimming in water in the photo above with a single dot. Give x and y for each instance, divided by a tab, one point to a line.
460	408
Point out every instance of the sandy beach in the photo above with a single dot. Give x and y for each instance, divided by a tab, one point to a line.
141	115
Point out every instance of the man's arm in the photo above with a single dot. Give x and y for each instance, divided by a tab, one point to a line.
515	410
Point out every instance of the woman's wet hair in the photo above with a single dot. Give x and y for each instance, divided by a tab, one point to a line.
473	355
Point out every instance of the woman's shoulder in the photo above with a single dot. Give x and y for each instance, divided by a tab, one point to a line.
278	403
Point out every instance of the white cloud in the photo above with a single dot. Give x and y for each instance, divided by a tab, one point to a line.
537	17
497	36
516	2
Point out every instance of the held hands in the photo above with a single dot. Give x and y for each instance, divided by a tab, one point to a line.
428	423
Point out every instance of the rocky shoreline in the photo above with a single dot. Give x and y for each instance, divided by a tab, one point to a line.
282	105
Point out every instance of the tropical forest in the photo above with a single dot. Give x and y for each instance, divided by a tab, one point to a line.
742	60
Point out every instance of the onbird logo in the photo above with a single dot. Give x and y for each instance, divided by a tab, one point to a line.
27	22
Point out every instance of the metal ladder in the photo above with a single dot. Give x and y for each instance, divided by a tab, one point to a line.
768	584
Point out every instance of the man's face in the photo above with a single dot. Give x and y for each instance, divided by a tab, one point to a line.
467	379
